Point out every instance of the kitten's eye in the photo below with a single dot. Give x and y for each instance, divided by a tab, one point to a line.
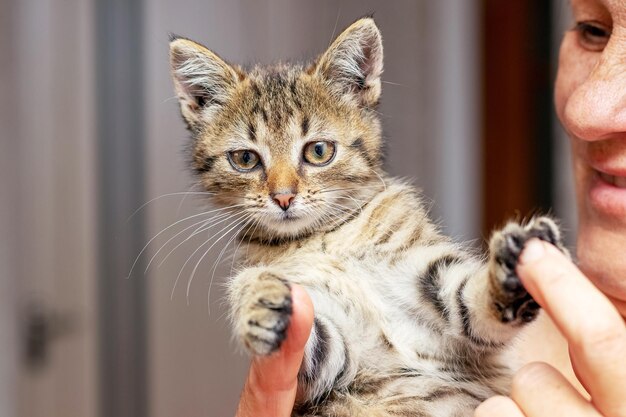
244	160
592	35
319	153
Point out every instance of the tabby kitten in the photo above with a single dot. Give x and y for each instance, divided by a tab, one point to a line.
407	322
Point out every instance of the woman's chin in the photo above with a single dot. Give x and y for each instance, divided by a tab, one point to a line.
601	257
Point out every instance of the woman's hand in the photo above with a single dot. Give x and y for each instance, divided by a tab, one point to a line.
596	334
270	389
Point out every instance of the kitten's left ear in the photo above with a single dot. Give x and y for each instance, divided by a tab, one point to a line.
353	64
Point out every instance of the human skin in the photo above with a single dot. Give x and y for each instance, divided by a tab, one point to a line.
586	305
271	387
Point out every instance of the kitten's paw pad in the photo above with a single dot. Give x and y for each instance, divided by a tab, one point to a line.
512	301
523	309
268	315
544	228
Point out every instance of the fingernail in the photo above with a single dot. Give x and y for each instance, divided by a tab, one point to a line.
533	250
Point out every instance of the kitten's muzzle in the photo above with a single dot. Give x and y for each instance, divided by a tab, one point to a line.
283	200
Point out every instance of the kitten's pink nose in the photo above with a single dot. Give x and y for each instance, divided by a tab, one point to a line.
283	199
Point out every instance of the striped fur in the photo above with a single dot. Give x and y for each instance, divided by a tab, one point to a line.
407	322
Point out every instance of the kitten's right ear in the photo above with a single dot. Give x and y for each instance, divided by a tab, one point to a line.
353	64
203	81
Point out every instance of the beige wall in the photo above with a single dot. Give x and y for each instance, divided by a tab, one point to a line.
8	211
48	204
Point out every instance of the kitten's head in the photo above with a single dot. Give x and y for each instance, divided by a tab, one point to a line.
295	149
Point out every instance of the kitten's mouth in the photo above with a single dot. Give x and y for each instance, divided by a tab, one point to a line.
288	216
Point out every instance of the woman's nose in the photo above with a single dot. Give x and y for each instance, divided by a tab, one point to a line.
597	108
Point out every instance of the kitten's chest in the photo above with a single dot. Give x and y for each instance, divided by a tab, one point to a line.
341	250
318	248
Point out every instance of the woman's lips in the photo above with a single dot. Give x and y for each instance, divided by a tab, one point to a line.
607	195
614	180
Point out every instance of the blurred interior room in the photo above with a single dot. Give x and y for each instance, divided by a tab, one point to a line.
92	325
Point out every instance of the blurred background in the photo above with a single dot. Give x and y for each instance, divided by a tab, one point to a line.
90	131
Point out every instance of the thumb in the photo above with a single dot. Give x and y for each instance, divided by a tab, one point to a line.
271	386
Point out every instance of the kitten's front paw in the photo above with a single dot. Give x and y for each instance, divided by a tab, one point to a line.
267	315
511	300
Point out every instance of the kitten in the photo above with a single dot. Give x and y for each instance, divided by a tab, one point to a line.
407	322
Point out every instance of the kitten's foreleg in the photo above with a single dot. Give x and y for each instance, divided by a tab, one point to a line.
261	311
493	305
487	305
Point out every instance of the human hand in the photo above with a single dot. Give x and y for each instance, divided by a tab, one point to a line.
270	389
596	334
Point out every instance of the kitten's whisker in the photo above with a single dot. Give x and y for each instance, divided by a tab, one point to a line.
379	177
198	231
346	209
351	198
205	225
202	223
234	236
380	221
335	218
356	201
232	265
332	37
343	199
261	220
234	256
195	268
341	189
162	196
169	99
343	206
219	257
321	216
392	83
380	114
361	203
192	255
182	201
390	204
367	186
169	227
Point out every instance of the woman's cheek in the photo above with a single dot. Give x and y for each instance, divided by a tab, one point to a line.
575	66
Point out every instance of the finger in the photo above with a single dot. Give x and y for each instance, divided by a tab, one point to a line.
540	390
270	389
282	367
498	407
593	327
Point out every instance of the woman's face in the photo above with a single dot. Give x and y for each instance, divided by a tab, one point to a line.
591	104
